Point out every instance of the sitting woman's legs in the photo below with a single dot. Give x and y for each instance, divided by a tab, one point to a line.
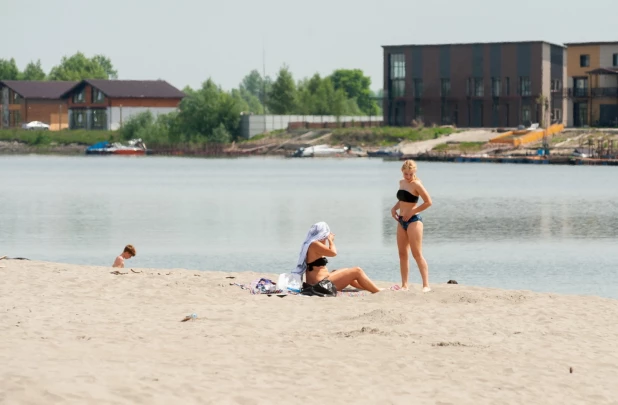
345	277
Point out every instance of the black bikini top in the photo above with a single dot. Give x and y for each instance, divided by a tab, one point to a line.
406	196
322	261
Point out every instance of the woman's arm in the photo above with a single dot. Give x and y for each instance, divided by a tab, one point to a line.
321	249
426	199
394	211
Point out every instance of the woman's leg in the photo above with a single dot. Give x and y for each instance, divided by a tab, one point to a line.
415	236
344	277
404	262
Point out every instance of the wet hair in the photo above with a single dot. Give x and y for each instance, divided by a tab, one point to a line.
410	165
129	249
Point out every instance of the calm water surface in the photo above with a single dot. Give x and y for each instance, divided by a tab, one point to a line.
542	228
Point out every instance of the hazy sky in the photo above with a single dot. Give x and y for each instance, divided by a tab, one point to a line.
187	41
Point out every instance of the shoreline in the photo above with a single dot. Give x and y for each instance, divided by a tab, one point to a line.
78	334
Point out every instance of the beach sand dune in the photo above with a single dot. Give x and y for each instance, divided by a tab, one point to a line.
79	335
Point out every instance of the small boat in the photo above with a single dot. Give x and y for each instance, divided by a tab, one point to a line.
133	147
386	152
319	150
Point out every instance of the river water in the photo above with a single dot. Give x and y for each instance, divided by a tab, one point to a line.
536	227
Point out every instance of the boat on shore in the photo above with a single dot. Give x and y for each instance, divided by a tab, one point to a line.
133	147
320	150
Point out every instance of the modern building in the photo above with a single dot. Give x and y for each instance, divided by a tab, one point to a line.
592	70
474	85
26	101
105	104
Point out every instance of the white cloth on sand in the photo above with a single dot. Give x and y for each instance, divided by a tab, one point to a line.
318	231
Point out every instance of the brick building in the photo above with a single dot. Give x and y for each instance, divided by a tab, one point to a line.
474	85
26	101
105	104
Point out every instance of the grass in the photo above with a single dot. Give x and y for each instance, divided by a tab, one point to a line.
385	136
461	147
64	137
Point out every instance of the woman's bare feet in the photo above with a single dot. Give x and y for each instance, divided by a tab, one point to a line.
426	289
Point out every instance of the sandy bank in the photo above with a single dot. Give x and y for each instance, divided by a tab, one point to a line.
78	334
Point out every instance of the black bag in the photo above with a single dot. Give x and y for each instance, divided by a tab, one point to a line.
324	288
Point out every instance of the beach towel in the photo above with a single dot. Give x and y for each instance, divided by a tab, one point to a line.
318	231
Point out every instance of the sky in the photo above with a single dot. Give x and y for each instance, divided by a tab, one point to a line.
188	41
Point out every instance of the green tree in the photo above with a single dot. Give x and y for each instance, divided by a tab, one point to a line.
256	85
204	110
318	96
282	97
356	85
33	71
8	69
247	101
79	67
106	64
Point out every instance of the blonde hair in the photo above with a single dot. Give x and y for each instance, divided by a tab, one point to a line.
410	165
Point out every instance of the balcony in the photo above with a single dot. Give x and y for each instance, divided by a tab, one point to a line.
596	92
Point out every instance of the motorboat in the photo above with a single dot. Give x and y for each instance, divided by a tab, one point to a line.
133	147
319	150
386	152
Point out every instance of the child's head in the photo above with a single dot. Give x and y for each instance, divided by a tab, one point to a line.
129	251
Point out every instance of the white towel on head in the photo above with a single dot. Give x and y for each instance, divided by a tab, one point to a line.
318	231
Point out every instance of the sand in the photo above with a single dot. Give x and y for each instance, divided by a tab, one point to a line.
80	335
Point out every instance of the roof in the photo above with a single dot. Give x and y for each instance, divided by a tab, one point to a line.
133	88
591	43
39	89
604	71
474	43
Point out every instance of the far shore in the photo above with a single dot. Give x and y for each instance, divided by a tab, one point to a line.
81	334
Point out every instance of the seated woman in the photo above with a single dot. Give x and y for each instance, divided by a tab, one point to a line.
319	244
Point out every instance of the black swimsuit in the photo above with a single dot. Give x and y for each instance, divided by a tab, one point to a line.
406	196
320	262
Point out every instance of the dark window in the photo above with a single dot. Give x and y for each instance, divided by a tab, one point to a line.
496	86
584	60
15	99
507	86
445	113
469	87
524	86
78	119
418	88
580	85
445	87
418	112
97	96
525	115
615	59
556	85
99	119
398	75
479	90
79	97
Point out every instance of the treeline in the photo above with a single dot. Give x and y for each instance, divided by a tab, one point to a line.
211	114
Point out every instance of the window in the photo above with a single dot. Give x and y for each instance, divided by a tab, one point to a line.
418	88
469	87
584	60
556	85
580	85
524	86
496	86
445	115
398	74
15	99
525	114
79	97
495	109
445	87
99	119
507	86
14	118
556	115
478	87
97	96
615	60
418	112
78	119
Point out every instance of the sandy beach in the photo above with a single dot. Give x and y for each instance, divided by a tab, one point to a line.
80	335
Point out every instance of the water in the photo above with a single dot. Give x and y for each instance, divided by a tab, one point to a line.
543	228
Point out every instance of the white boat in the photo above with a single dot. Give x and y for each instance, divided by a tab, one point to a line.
320	150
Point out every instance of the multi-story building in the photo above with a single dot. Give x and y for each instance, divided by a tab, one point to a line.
474	85
592	93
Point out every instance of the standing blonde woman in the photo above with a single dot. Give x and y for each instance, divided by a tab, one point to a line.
410	227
